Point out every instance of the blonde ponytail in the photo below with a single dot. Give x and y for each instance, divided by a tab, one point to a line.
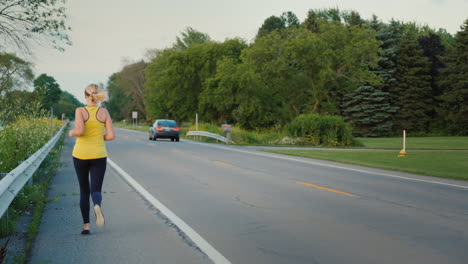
97	95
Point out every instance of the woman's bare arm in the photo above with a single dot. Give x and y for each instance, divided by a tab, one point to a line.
79	124
110	135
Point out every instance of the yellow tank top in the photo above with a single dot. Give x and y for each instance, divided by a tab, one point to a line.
91	144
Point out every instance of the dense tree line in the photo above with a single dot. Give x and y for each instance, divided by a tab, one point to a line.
381	77
23	24
16	75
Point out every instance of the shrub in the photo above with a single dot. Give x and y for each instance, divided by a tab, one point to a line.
239	135
321	130
22	138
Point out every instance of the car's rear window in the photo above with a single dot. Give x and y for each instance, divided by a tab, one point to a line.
167	123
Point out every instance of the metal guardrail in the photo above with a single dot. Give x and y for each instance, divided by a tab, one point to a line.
15	180
208	134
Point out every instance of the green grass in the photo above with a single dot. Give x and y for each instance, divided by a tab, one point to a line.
444	164
33	199
417	143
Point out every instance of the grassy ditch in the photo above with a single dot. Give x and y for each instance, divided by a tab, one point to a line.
416	143
440	162
32	202
277	137
443	164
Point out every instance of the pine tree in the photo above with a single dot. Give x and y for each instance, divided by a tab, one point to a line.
434	50
390	35
369	112
412	93
455	82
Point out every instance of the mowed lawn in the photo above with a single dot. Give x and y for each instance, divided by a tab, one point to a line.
416	143
444	164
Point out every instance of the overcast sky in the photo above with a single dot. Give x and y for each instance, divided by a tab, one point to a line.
107	32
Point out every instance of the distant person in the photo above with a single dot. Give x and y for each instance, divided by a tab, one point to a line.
90	154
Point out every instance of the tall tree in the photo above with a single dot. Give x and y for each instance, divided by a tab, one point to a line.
39	20
176	78
271	24
290	19
434	50
300	64
132	80
412	93
455	82
218	99
157	83
48	89
389	35
67	105
14	72
286	20
189	37
369	112
118	103
353	18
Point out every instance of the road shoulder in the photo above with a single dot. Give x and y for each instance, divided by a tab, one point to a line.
134	232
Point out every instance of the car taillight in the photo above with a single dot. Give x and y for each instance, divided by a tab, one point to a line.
176	128
159	128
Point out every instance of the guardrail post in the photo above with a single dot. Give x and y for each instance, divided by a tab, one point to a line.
227	129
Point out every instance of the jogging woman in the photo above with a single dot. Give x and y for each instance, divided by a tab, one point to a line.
89	153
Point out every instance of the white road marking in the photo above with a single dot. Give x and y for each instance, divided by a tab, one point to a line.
327	165
210	251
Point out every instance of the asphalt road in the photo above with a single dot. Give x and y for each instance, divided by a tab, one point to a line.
256	207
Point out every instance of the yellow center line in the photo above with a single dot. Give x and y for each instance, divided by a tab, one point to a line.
326	189
175	150
222	163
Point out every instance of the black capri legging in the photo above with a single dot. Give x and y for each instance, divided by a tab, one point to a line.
84	168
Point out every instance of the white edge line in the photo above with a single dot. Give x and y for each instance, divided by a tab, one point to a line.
331	166
205	247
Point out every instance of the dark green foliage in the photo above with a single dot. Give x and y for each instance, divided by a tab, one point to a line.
190	37
369	112
390	36
412	92
315	17
14	72
258	106
3	251
291	70
434	50
118	102
455	83
290	19
126	92
286	20
321	130
354	19
272	23
48	90
66	105
176	79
